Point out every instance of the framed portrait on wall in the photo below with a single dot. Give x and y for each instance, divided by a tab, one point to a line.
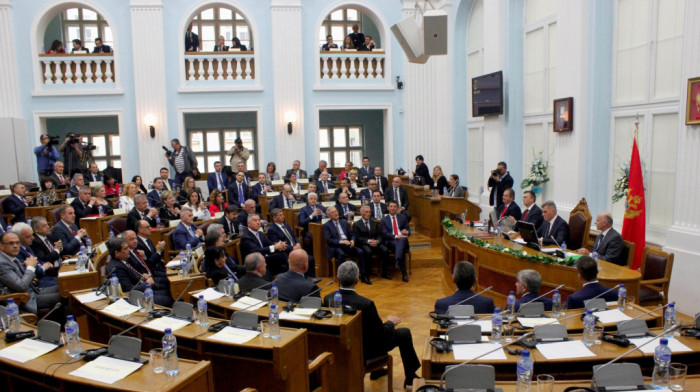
692	111
563	113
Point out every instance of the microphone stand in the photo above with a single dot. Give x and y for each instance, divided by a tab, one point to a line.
289	307
643	314
545	294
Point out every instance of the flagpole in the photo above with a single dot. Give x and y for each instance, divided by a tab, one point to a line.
636	126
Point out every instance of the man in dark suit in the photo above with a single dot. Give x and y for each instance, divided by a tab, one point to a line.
66	231
499	181
532	212
378	208
324	184
464	276
285	199
45	271
58	177
84	205
78	182
141	212
296	168
322	166
253	241
395	233
152	253
366	194
168	183
554	229
528	285
100	47
229	220
509	206
240	167
346	189
358	39
217	179
293	284
42	247
340	242
138	260
279	230
16	203
130	278
368	237
260	188
365	171
154	199
186	231
93	174
248	209
609	244
191	40
311	212
311	188
256	273
238	190
382	182
345	209
396	193
588	274
377	338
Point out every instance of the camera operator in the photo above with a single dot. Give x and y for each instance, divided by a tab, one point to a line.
183	160
499	181
46	155
72	149
238	153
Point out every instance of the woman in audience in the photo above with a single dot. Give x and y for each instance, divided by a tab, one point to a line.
195	202
139	185
422	171
127	199
169	210
346	170
271	173
48	195
439	180
187	187
217	201
217	265
296	187
347	43
454	190
100	194
111	187
354	183
56	48
221	45
236	44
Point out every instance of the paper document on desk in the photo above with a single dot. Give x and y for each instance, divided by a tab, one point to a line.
106	369
73	272
26	350
120	308
484	324
471	351
673	344
611	316
234	335
248	303
210	294
564	350
532	322
293	316
89	297
160	324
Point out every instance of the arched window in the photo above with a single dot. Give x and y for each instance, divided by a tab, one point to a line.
210	23
86	25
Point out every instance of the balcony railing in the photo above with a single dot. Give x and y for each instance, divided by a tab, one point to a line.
228	66
352	65
76	69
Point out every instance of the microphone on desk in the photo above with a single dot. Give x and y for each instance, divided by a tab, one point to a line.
602	294
475	295
156	313
289	307
244	293
184	290
14	336
58	305
105	283
545	294
643	314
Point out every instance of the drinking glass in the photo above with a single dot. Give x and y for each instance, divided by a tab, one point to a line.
265	328
630	301
598	333
676	380
545	383
508	331
157	360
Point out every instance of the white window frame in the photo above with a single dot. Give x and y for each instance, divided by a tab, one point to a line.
216	22
347	149
346	24
223	156
544	24
80	23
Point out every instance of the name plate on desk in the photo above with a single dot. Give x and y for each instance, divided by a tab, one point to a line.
174	223
272	194
119	211
277	182
95	184
303	180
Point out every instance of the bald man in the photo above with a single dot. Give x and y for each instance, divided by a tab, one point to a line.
293	284
609	244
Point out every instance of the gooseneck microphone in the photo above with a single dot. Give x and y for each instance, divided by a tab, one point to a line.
475	295
543	295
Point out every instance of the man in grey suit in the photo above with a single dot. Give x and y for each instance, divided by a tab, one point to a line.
609	244
17	277
293	284
296	168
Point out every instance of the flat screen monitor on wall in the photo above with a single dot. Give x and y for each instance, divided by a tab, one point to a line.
487	94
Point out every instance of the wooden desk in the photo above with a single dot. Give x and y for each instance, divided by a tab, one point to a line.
291	216
322	267
497	269
97	227
178	283
159	235
425	208
32	212
262	363
33	375
75	282
433	363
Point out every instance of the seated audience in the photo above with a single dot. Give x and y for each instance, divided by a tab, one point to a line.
217	265
138	260
345	209
254	241
311	188
324	184
609	244
141	212
221	45
271	173
340	242
78	182
454	189
464	276
346	189
46	273
186	231
296	169
527	286
293	284
382	182
84	205
78	48
188	186
218	203
261	187
154	198
322	167
167	181
279	230
238	190
346	170
532	213
66	231
248	209
47	196
368	237
329	44
368	45
56	48
348	44
398	194
111	186
379	209
588	274
17	202
256	273
284	200
43	248
152	252
101	201
554	229
218	179
354	182
229	221
169	209
128	196
366	194
377	338
94	175
58	177
100	47
311	212
236	44
294	186
365	171
439	180
509	206
240	167
395	232
198	209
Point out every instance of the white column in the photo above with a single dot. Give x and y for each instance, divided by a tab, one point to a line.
683	238
149	84
9	89
288	79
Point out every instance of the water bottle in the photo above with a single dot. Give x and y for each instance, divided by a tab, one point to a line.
556	304
524	371
444	190
147	299
563	246
594	254
622	298
111	233
81	260
229	287
588	337
73	347
486	224
274	322
101	211
181	256
170	353
202	317
496	322
662	360
464	217
158	223
362	199
510	306
670	318
337	303
274	294
89	247
13	324
114	287
44	200
186	262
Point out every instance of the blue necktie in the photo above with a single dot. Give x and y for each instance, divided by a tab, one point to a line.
240	194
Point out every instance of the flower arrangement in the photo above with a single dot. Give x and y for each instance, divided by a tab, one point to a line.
538	173
620	188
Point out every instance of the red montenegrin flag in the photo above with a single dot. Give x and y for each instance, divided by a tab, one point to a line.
634	225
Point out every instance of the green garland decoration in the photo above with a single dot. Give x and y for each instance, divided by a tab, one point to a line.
452	231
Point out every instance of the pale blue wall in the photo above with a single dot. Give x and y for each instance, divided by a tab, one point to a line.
462	86
513	84
82	125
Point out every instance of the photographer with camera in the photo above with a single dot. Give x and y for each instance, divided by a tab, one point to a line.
183	160
46	155
499	181
72	149
238	153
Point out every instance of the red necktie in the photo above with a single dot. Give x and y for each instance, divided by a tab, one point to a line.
525	214
505	207
138	256
73	231
396	228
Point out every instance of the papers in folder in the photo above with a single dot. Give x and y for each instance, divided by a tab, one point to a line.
611	316
234	335
89	297
210	294
248	302
120	308
532	322
160	324
563	350
673	344
106	369
26	350
471	351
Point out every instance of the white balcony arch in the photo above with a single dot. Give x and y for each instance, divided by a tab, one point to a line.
354	81
105	81
233	78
